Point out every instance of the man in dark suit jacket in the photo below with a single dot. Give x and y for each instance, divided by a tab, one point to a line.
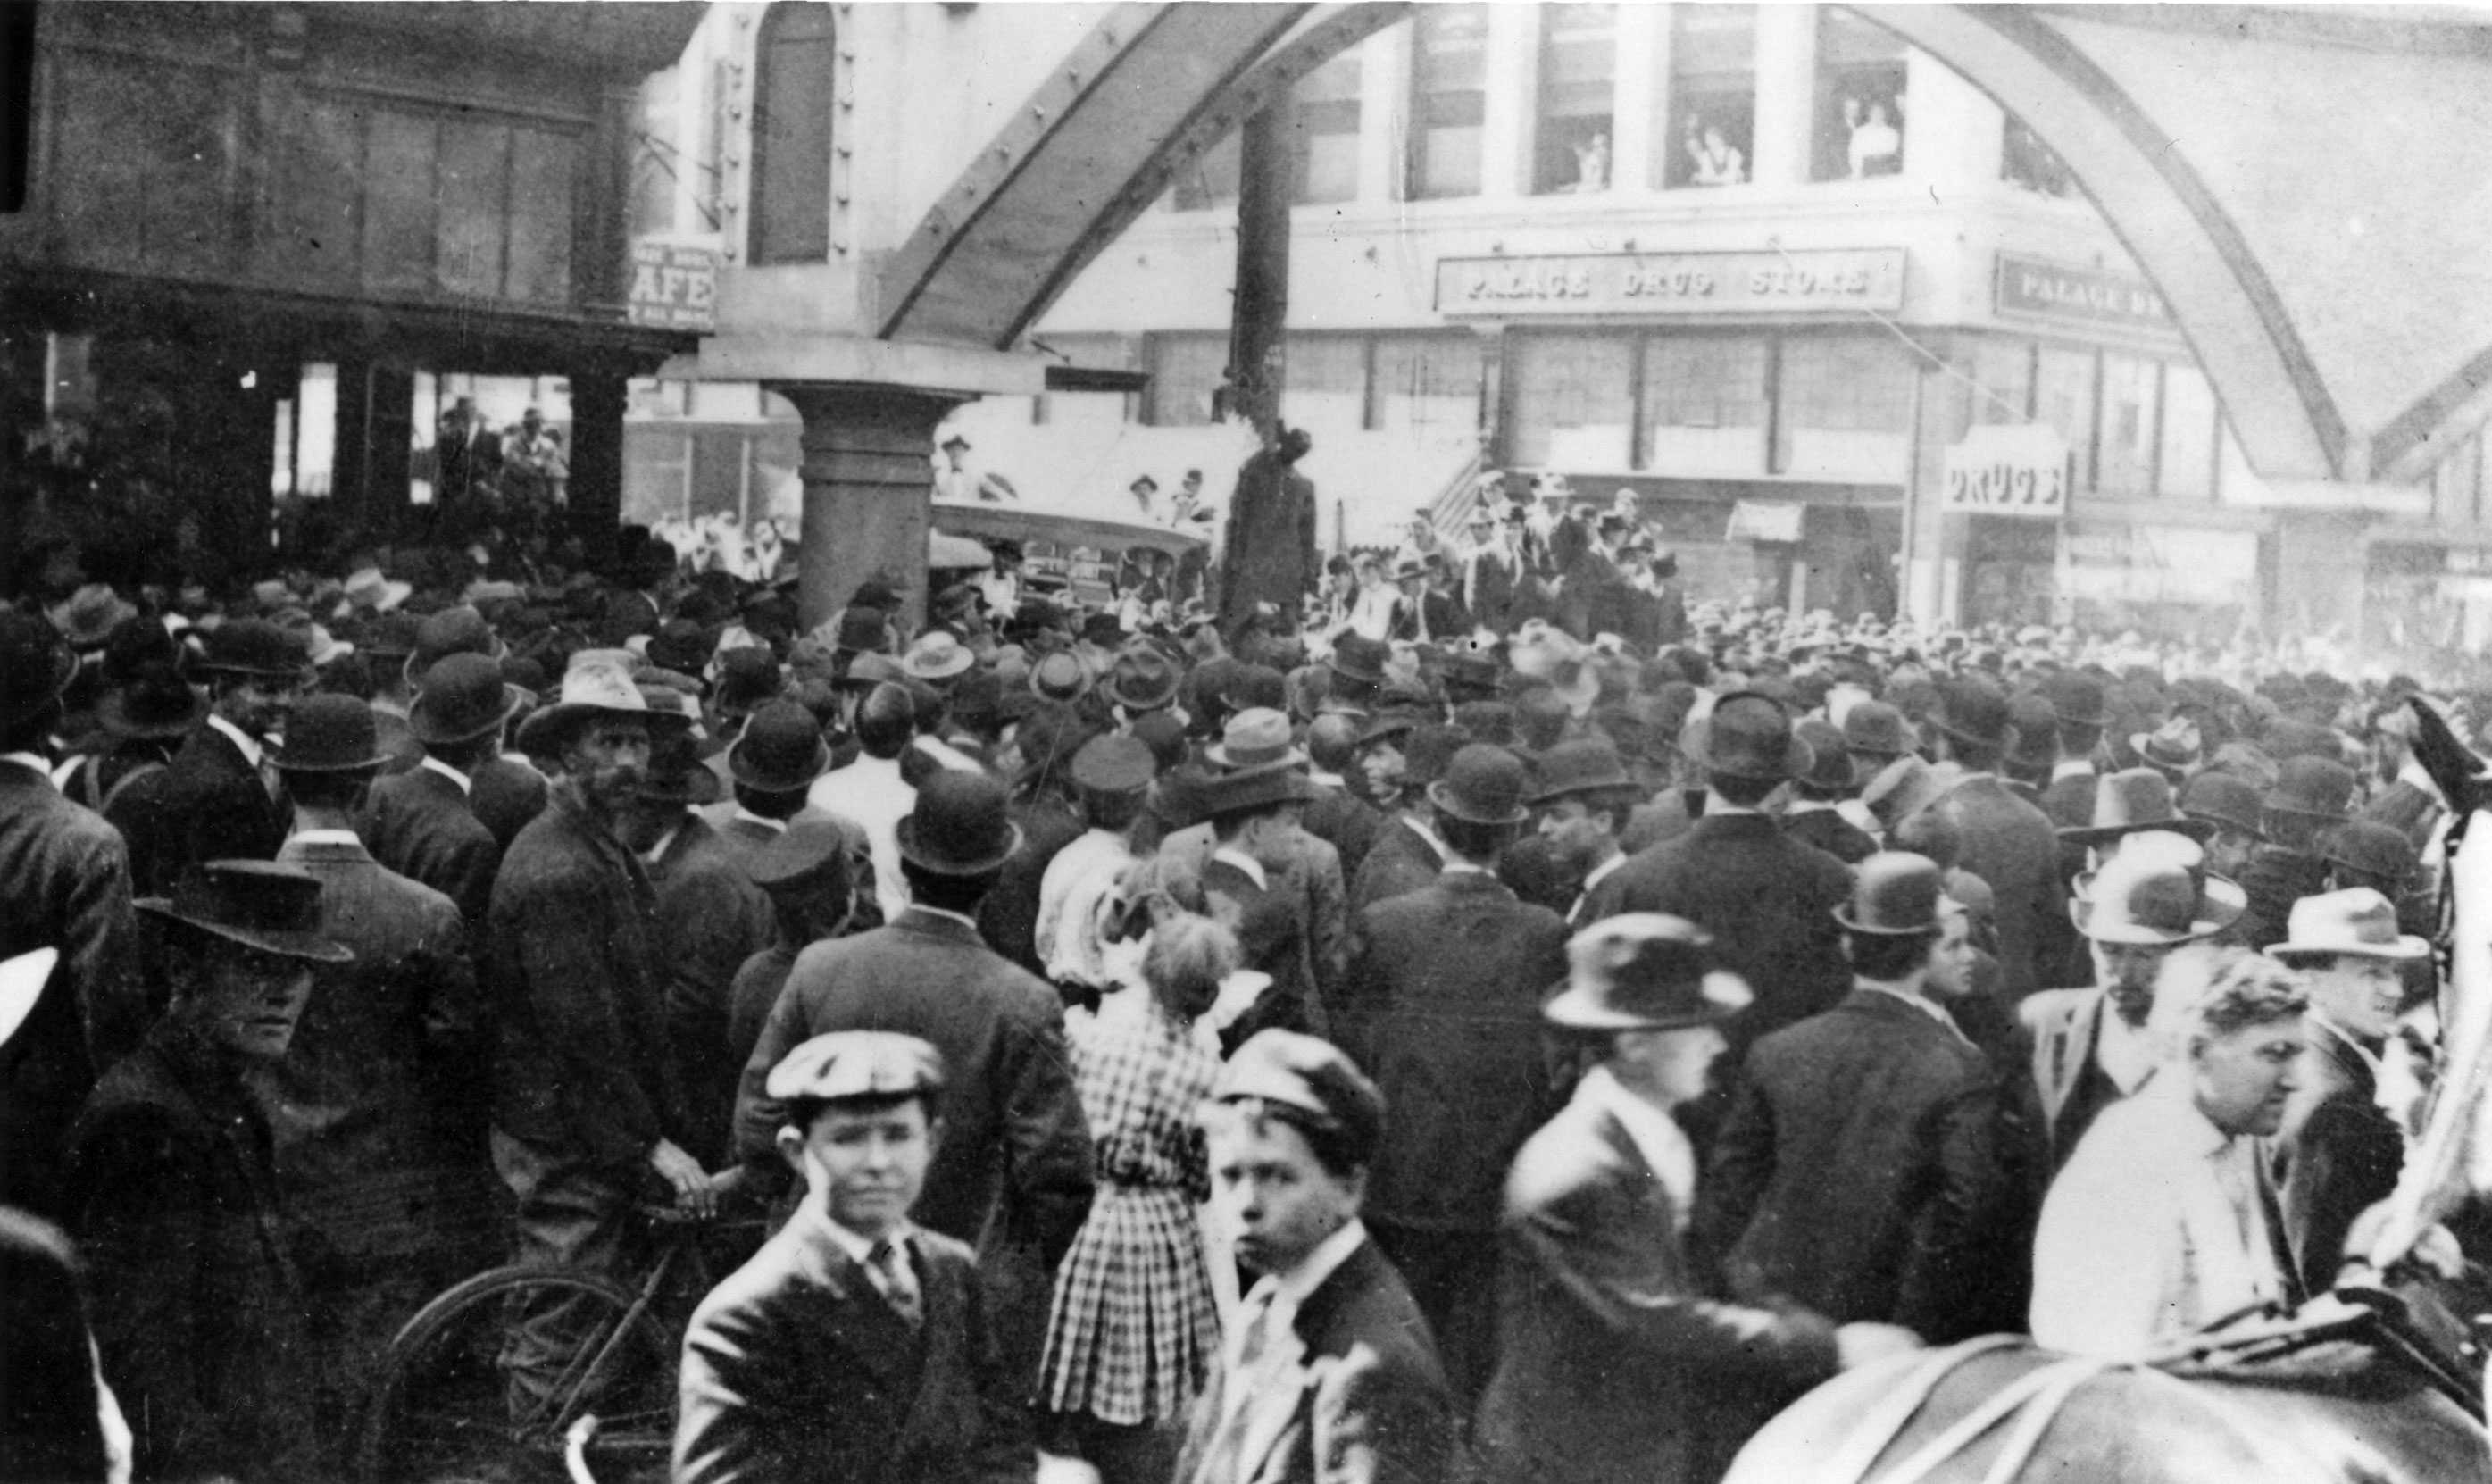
219	799
68	889
1014	1174
1335	815
1328	1372
1442	1010
1813	818
2339	1152
2007	843
1857	1174
1254	814
1618	1366
1768	899
856	1344
422	823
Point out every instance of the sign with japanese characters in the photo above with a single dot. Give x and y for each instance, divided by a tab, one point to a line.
2009	470
674	286
1673	282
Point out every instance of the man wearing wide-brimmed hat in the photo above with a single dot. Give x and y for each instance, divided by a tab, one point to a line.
1444	993
1768	899
198	1310
423	823
383	1065
586	1103
69	890
221	797
1015	1170
1597	1266
1858	1173
2089	1046
2008	842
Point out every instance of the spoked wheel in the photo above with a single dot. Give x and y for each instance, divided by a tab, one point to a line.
444	1411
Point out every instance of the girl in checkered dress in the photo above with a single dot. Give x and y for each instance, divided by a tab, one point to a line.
1134	1332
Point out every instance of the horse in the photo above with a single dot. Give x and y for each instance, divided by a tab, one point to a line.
2363	1386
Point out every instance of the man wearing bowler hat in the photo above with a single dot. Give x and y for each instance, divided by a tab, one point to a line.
1615	1365
68	889
1327	1370
1587	799
1815	817
1014	1175
1253	811
771	769
1768	899
1442	1007
1858	1172
2008	842
221	797
422	823
376	1113
2311	796
198	1306
2089	1047
588	1107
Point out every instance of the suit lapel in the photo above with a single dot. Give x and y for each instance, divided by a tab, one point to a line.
944	1297
858	1320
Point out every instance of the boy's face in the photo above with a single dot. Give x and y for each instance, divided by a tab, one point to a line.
867	1163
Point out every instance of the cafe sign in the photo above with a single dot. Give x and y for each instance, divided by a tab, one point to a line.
674	286
2002	470
1673	282
2040	289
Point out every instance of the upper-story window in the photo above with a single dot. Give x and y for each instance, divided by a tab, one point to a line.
1448	99
1579	55
792	135
2024	160
1323	133
1713	96
1861	77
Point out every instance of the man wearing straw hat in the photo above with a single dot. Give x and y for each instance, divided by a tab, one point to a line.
586	1104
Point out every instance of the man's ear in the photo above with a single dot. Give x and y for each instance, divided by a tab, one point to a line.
792	1148
935	1131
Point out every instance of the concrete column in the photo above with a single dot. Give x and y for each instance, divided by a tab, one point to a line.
1513	82
1785	92
1383	112
1953	134
868	488
1639	129
595	489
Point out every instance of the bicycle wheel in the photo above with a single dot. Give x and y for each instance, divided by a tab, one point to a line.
443	1411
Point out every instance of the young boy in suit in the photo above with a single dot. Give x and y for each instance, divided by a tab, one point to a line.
856	1345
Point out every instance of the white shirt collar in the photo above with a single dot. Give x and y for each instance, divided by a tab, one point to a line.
1601	872
29	761
467	785
858	1247
962	918
1244	862
2125	1053
658	852
1808	807
744	815
325	838
2072	767
1427	832
1655	1135
250	745
1329	780
1286	1292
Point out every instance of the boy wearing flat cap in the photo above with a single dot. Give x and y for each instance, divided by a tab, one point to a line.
854	1345
1330	1369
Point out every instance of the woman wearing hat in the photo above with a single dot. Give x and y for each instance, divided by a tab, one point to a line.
198	1309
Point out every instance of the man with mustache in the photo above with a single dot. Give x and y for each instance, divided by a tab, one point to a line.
586	1103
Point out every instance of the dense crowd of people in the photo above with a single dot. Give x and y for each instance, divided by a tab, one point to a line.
1501	1020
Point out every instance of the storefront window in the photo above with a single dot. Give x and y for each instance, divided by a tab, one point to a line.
1571	407
2064	397
1448	99
1211	180
2025	161
1428	382
2124	446
2186	467
1846	408
1859	99
1703	405
2002	384
1323	133
1579	54
1713	94
1186	370
1327	390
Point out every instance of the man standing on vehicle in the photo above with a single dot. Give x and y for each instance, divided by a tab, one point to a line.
586	1102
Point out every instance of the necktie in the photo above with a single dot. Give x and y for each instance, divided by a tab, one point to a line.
888	1265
